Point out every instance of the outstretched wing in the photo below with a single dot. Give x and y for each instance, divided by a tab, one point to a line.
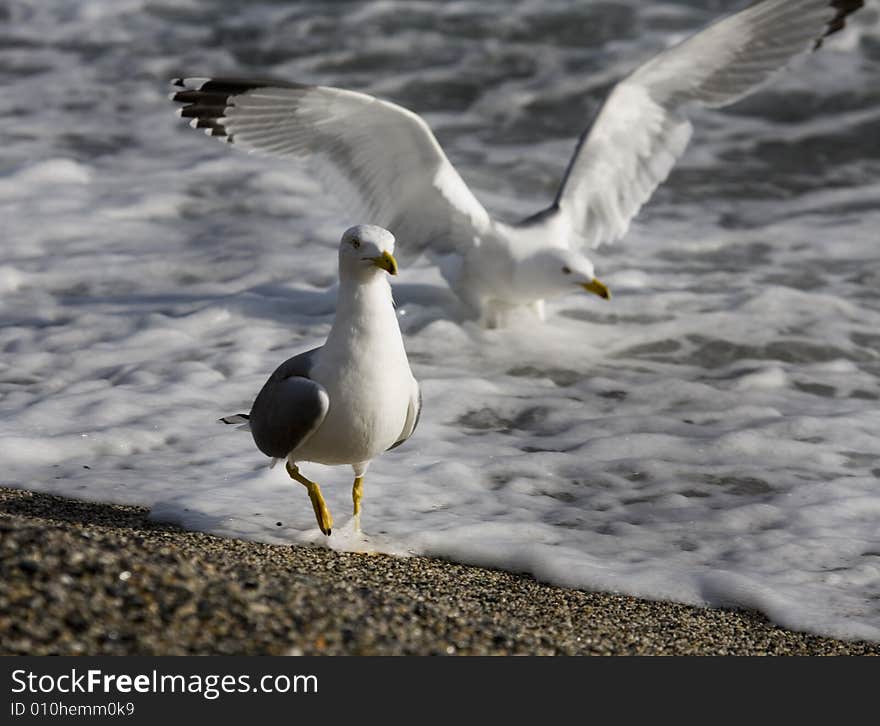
641	130
381	159
289	408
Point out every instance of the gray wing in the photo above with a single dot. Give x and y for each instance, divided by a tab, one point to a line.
289	408
642	128
413	414
380	159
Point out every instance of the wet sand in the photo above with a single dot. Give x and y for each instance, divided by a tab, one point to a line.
102	579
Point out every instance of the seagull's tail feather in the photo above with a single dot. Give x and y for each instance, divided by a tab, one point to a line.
240	418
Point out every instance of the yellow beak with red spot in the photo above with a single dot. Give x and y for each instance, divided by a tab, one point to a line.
597	287
386	262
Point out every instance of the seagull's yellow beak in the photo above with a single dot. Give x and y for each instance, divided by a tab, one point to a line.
386	262
597	287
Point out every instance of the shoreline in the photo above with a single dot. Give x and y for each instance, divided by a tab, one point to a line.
88	578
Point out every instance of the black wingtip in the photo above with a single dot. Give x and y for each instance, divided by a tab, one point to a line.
844	8
229	86
205	108
205	100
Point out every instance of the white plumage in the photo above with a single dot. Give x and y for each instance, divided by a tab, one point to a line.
386	165
352	398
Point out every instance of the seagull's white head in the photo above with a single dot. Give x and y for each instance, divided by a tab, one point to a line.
553	272
365	251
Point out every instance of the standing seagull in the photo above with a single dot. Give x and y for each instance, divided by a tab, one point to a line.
352	398
399	176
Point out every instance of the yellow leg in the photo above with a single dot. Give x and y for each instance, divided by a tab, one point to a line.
322	514
357	492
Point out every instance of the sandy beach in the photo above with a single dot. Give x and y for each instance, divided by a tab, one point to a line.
102	579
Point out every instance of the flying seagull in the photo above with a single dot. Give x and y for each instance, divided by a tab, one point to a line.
385	162
352	398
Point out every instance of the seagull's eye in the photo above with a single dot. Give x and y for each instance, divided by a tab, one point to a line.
566	270
356	243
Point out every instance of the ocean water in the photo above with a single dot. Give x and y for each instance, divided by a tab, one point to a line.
709	436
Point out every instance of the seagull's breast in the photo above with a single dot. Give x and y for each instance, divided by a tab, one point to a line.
367	412
368	380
